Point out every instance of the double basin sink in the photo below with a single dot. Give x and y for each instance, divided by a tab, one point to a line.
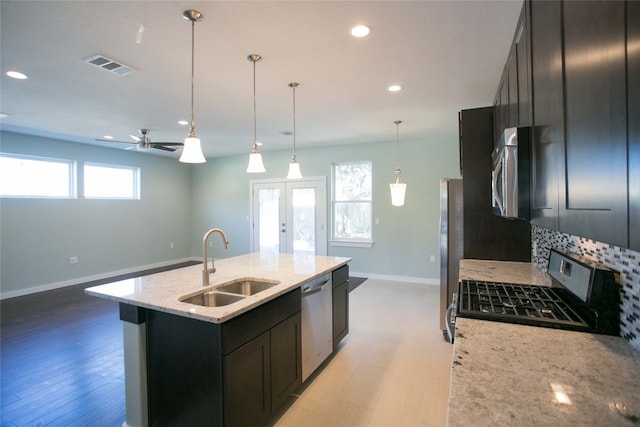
228	292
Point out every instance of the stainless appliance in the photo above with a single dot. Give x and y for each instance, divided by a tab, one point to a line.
511	174
316	313
583	297
451	244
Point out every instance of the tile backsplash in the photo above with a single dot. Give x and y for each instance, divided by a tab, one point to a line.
624	261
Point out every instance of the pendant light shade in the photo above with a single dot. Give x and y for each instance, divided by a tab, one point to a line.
255	158
398	188
192	149
294	166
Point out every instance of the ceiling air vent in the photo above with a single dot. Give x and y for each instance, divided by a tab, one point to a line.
109	65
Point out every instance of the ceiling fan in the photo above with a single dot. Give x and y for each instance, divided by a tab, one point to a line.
143	142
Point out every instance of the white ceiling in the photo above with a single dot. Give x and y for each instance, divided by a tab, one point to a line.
447	55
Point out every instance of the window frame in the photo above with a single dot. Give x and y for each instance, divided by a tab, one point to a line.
342	241
135	184
71	178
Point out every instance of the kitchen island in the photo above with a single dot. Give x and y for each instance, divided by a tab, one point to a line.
196	363
505	374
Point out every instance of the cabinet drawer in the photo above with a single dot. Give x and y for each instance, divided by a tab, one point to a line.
249	325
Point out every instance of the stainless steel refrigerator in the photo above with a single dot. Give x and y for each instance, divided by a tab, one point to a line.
451	242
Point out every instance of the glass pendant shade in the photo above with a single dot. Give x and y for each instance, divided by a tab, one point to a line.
398	190
192	151
255	162
294	170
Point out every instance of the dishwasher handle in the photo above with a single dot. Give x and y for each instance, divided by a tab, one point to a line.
313	288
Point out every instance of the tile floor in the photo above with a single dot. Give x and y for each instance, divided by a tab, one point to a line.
392	369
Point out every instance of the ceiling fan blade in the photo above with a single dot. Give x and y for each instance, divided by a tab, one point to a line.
167	143
113	140
135	138
162	147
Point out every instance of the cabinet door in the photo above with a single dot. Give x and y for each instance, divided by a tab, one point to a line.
286	360
340	312
633	114
593	193
548	131
523	53
247	384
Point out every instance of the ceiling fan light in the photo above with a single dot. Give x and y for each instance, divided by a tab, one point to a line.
192	151
255	162
294	170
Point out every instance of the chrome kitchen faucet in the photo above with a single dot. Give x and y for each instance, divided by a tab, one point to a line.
206	271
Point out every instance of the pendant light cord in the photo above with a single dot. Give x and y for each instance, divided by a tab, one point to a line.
255	142
192	133
397	122
294	120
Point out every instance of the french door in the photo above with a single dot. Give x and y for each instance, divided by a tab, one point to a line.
289	216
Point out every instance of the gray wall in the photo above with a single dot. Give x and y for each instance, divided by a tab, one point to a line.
108	236
403	241
180	202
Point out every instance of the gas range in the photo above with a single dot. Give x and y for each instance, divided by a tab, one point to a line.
583	297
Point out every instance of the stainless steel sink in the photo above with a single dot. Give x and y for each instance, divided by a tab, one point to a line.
228	292
212	299
247	286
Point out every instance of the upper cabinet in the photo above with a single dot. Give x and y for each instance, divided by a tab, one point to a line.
513	98
633	114
578	61
548	132
593	189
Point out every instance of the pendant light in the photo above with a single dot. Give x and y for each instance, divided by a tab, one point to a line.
398	188
294	166
255	158
192	150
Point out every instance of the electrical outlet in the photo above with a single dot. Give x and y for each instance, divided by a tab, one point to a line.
73	260
432	258
534	249
171	245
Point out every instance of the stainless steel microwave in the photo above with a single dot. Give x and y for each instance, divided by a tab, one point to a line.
511	174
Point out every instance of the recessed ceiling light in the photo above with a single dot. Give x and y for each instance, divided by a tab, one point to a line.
360	31
394	88
3	115
17	75
183	122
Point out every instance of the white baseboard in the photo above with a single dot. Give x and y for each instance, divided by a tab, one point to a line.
391	278
79	280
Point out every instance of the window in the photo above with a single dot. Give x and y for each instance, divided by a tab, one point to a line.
111	182
36	177
352	204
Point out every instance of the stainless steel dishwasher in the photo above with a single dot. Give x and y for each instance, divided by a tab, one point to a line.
317	321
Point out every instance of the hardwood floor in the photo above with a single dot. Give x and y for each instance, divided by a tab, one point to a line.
61	362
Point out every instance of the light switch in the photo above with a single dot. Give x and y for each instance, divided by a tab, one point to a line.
377	221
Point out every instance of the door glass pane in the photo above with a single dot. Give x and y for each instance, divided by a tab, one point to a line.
269	216
303	204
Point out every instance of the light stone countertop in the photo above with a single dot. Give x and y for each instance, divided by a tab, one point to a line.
505	374
509	375
161	291
521	273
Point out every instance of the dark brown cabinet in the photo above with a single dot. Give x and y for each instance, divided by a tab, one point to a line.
547	145
633	115
237	373
340	281
593	190
486	236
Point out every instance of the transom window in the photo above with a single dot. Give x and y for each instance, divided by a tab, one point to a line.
111	181
36	177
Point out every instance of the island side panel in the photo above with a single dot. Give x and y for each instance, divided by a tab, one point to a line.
134	339
184	370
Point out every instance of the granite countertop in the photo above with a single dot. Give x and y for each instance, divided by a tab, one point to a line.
521	273
161	291
505	374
